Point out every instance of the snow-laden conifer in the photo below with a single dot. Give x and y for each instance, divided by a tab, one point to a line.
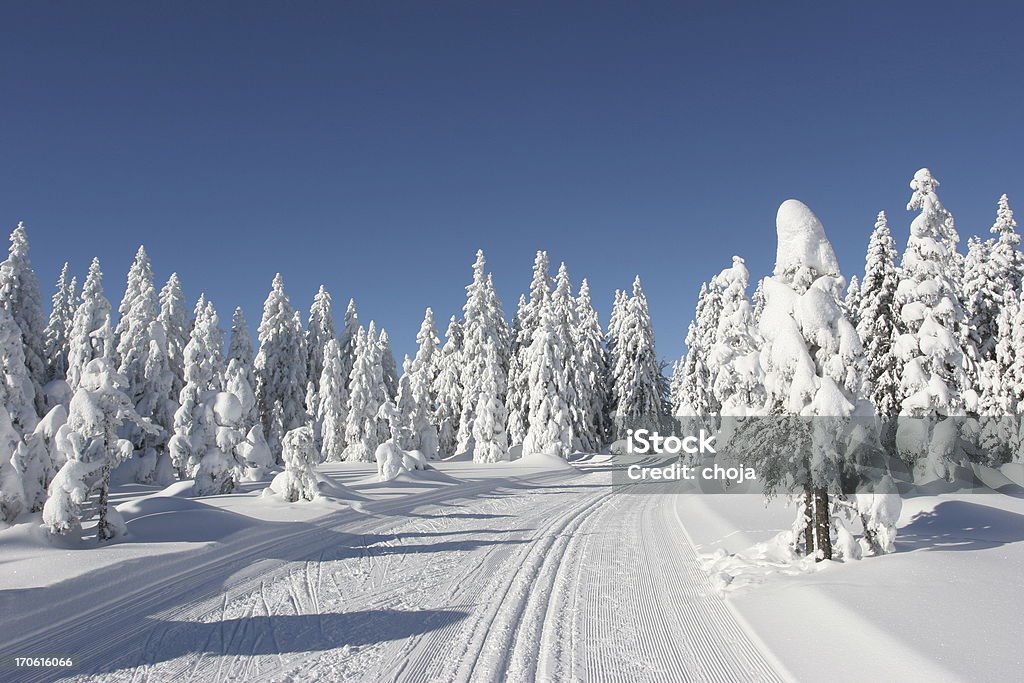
876	318
280	367
298	480
852	300
332	408
92	449
19	294
490	421
58	329
389	368
174	318
319	330
91	336
737	380
448	389
550	430
592	375
366	394
636	378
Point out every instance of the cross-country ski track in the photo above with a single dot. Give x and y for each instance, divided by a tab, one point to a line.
548	576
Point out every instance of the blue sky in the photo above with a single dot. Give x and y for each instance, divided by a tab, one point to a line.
375	146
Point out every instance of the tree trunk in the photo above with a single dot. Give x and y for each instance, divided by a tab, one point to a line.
103	530
822	523
809	546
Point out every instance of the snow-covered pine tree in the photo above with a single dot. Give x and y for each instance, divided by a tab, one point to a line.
421	425
483	323
852	301
92	448
876	321
17	396
757	300
619	304
933	384
240	369
518	383
280	367
19	294
298	480
58	329
12	490
347	340
550	430
194	428
636	378
389	368
592	375
1006	252
737	381
695	395
405	407
90	329
427	362
811	357
319	331
174	318
448	389
366	394
564	307
332	408
490	421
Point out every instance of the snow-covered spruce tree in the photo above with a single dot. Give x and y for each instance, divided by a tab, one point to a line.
92	449
876	318
737	381
695	398
58	329
280	367
1002	386
405	405
929	348
331	408
426	364
852	300
36	457
490	424
12	490
365	396
483	324
240	360
592	376
389	369
298	480
148	382
194	428
550	429
636	378
992	270
757	300
517	400
90	330
565	314
347	340
19	294
319	331
17	397
177	326
619	304
448	389
155	404
421	425
812	359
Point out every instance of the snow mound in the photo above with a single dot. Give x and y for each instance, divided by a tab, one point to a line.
730	572
802	241
166	518
543	461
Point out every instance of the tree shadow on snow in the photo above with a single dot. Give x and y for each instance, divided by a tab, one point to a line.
960	525
282	634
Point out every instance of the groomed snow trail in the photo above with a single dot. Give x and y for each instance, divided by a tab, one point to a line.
549	577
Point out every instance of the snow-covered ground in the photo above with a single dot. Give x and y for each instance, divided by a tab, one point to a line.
521	571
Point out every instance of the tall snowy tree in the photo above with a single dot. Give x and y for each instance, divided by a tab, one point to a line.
347	340
448	388
737	380
550	430
695	398
280	367
812	357
194	428
92	449
91	336
388	366
564	307
636	378
174	318
58	330
852	300
366	394
319	331
19	294
876	318
427	362
518	380
592	375
240	378
489	426
332	408
483	323
17	397
933	383
298	480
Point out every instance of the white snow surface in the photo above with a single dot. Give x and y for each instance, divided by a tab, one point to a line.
511	571
802	240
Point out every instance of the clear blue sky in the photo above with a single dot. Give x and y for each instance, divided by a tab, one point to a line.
375	146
